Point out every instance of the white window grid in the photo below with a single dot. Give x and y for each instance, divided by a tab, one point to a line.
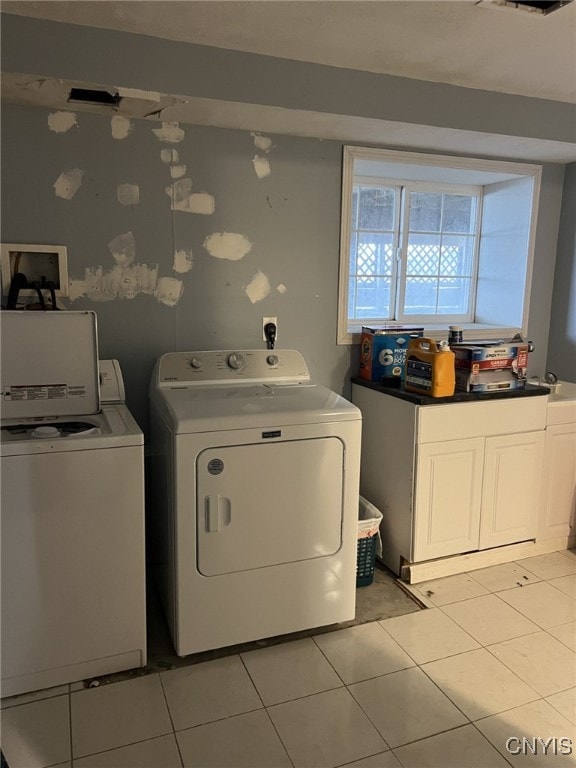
399	251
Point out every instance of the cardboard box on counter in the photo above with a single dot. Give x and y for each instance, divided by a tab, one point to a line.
488	380
487	357
383	351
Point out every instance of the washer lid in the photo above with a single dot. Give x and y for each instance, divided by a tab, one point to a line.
191	409
49	364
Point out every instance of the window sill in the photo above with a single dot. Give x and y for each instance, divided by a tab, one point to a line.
471	332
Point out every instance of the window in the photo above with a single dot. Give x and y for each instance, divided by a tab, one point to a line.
413	252
423	238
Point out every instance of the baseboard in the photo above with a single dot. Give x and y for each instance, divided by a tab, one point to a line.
414	573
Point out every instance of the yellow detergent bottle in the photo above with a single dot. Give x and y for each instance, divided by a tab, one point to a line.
430	368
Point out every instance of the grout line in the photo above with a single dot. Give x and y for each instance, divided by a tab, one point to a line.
372	723
367	757
495	642
306	696
218	720
279	737
556	708
328	660
124	746
489	649
444	694
431	736
510	709
399	644
167	704
251	680
70	726
32	701
489	742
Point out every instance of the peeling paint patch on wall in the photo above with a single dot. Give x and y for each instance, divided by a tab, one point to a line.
122	127
258	288
169	291
261	166
123	249
281	288
76	289
128	194
201	202
227	245
68	183
263	143
182	199
177	171
60	122
119	282
169	155
179	192
171	133
183	261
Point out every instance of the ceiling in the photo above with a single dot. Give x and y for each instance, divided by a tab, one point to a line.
459	42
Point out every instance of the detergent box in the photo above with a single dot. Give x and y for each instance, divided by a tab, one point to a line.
495	380
383	351
490	357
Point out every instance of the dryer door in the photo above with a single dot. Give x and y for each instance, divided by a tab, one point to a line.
268	504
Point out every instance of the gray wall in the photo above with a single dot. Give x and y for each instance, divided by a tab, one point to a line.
291	217
562	341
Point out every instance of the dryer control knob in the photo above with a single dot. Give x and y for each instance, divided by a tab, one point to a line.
272	360
235	361
196	362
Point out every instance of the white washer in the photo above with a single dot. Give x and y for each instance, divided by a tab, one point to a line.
72	513
255	494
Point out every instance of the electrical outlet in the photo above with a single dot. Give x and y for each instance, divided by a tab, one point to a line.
265	321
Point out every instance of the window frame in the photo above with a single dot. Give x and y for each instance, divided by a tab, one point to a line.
348	331
367	181
402	190
439	187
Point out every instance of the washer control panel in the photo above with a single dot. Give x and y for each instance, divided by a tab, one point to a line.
221	366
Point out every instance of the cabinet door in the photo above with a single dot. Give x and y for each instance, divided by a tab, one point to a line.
558	506
448	497
511	488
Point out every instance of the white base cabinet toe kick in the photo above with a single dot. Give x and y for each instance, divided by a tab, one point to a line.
453	478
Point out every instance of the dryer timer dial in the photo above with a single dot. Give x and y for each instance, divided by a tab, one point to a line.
236	361
196	363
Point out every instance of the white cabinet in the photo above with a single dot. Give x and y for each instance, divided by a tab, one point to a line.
447	498
558	482
476	494
451	478
511	488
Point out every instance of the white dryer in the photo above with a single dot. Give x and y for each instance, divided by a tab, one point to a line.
255	494
72	509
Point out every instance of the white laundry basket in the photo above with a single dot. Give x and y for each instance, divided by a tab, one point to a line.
369	519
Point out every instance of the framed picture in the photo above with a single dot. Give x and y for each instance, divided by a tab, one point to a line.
35	262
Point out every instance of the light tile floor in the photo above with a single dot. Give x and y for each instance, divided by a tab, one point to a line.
445	687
